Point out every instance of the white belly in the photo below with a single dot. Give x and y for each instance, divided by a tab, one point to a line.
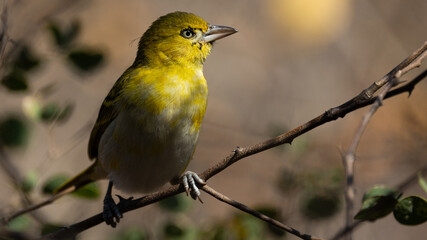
142	158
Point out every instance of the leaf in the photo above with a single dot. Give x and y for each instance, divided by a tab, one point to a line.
14	132
411	210
30	181
19	223
26	60
271	212
380	190
15	81
50	112
53	183
89	191
53	112
320	205
131	233
86	59
422	182
378	202
64	36
177	203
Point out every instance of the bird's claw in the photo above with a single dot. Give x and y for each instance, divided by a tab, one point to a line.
189	180
111	212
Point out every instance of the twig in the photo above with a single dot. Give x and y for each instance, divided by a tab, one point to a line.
350	156
328	116
401	188
16	179
257	214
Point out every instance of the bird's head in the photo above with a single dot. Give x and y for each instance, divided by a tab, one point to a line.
179	38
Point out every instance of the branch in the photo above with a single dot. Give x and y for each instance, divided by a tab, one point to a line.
350	157
257	214
240	153
413	178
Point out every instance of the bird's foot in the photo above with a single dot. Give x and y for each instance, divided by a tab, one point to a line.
111	212
189	180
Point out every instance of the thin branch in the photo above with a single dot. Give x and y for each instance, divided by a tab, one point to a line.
16	179
350	157
257	214
413	178
328	116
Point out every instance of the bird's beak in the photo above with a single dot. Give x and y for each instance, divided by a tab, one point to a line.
216	32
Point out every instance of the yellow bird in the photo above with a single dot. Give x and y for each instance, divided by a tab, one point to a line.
148	125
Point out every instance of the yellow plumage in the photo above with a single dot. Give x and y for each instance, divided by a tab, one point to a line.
148	125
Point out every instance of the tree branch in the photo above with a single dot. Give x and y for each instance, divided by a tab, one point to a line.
240	153
257	214
401	188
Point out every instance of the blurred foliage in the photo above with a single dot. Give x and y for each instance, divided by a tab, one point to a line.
422	182
53	227
53	183
177	229
86	59
30	181
177	203
53	112
64	35
20	223
14	131
89	191
15	81
322	193
130	233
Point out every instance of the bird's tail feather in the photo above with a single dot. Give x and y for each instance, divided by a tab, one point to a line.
93	173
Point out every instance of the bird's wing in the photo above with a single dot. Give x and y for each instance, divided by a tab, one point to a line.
107	114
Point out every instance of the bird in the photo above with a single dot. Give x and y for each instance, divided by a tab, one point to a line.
148	125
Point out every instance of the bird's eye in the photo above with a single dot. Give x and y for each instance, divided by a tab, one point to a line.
188	33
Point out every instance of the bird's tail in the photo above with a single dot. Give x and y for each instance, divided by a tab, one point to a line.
93	173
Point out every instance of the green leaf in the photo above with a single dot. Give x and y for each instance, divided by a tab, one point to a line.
130	233
287	180
320	204
64	36
13	132
30	181
19	223
177	203
86	59
411	210
378	202
422	182
89	191
15	81
381	191
271	212
53	112
53	183
248	227
50	112
26	60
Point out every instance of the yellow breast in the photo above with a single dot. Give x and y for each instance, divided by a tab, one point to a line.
170	95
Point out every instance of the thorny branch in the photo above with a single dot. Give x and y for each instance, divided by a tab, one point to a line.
257	214
362	100
350	157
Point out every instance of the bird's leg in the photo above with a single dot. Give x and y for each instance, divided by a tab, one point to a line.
189	180
111	212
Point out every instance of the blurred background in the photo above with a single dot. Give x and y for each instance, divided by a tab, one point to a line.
290	61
